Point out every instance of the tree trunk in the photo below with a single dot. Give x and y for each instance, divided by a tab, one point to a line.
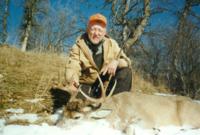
139	30
126	30
26	36
175	50
5	17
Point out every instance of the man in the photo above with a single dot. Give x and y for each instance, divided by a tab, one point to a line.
96	53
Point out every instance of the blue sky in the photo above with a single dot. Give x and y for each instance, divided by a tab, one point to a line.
14	20
16	13
16	10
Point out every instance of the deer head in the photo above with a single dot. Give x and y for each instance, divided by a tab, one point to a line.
75	104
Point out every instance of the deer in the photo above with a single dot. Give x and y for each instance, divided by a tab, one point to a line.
130	108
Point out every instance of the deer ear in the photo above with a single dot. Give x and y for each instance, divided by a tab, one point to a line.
100	114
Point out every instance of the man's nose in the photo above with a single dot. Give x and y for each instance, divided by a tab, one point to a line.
96	32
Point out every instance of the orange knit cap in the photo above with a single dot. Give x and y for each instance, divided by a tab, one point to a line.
97	18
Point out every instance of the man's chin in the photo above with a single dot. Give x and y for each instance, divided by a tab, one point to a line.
95	42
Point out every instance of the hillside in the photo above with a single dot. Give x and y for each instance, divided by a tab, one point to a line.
27	77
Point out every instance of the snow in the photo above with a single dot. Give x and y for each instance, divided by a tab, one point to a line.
32	130
84	127
2	122
28	117
168	130
79	127
12	110
54	117
164	94
34	100
197	101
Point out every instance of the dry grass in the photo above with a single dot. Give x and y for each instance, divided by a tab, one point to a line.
141	85
30	76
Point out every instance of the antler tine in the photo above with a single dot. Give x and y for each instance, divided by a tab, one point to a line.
88	97
112	90
94	99
103	91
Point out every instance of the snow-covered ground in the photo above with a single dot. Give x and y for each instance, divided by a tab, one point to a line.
79	127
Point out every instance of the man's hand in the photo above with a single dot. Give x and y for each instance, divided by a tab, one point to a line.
73	86
110	68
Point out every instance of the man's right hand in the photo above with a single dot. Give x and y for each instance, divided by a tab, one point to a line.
73	86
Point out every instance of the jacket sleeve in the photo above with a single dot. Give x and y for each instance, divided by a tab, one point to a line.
123	60
73	65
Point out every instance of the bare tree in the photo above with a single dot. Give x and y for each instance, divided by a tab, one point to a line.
4	4
183	52
32	8
167	54
130	18
57	28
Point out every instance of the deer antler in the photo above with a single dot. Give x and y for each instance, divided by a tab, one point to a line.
103	90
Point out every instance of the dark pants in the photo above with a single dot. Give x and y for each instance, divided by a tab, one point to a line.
123	77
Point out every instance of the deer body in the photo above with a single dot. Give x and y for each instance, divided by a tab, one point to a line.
151	111
147	111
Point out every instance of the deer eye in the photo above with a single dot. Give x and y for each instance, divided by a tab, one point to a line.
77	116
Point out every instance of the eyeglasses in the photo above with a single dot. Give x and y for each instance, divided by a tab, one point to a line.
97	29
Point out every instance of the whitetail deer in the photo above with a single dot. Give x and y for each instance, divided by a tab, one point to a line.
147	111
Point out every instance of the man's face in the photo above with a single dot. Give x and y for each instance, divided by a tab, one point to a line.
96	32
